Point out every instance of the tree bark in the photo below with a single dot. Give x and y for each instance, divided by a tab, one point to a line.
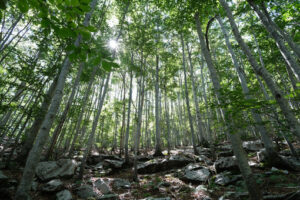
254	192
279	97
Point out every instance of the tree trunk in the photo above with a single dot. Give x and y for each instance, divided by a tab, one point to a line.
187	99
158	151
95	122
128	116
195	97
279	97
65	112
34	155
235	140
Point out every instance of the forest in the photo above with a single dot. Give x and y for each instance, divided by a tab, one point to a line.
149	99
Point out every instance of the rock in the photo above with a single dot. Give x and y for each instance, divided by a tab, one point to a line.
253	145
198	175
261	155
288	196
63	168
109	197
226	163
53	186
113	164
94	159
200	188
121	183
205	159
3	179
176	161
161	198
102	187
226	178
293	163
34	186
158	165
85	191
225	153
64	195
204	151
150	166
164	184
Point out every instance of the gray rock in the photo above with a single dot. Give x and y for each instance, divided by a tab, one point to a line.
64	195
158	165
150	166
198	175
121	183
226	163
161	198
109	197
85	191
113	164
261	155
225	153
102	187
34	186
226	178
94	159
3	179
252	145
200	188
63	168
53	186
205	159
164	184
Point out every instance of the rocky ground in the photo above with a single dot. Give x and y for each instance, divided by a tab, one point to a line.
182	175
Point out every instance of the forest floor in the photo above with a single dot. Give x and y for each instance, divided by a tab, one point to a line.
181	175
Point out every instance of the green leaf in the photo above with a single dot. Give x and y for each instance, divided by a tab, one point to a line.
23	6
106	65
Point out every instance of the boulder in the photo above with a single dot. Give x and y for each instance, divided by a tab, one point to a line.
205	159
102	187
53	186
121	183
226	163
226	178
113	164
150	166
94	159
225	153
253	145
157	165
261	155
109	197
64	195
3	179
197	175
85	192
63	168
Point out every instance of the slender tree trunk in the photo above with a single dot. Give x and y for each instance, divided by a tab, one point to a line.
282	102
257	118
195	97
187	99
294	46
287	56
123	116
128	116
65	112
33	131
94	126
254	192
158	151
34	155
83	107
